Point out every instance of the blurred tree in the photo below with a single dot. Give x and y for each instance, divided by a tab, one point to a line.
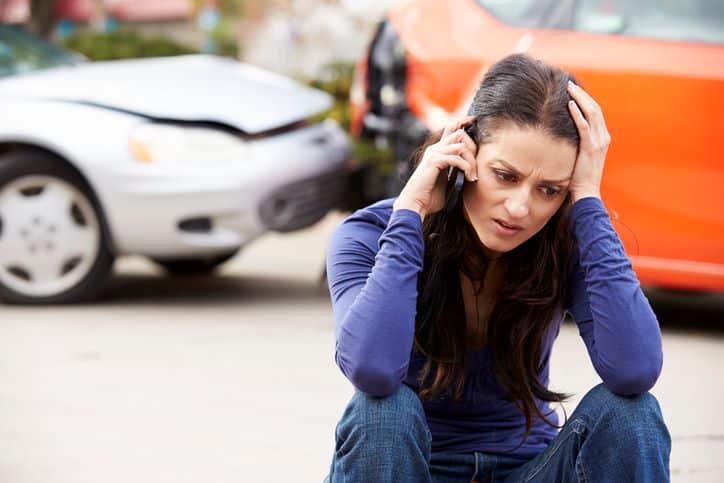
42	17
123	44
231	8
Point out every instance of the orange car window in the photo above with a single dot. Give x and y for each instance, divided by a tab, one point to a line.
555	14
690	20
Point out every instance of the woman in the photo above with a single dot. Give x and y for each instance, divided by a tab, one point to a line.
445	318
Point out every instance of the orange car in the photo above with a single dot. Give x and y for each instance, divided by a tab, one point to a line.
656	70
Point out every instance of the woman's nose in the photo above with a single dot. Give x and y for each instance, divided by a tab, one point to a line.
518	204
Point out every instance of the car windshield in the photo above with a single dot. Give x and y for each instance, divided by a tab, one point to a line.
683	20
678	20
532	13
21	52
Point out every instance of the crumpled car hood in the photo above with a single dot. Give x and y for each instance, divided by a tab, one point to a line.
195	88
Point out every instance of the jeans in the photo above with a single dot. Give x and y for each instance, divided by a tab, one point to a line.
608	438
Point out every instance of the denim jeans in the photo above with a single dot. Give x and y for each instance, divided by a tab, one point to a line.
608	438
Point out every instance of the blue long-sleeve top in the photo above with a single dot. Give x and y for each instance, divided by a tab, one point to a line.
373	263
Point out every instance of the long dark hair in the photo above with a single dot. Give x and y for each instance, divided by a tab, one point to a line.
529	93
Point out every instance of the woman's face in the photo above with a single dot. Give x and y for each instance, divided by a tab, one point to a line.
523	179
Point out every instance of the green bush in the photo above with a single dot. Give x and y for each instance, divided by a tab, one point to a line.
375	166
224	36
336	80
123	44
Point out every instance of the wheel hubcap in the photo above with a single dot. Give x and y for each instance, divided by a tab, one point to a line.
49	238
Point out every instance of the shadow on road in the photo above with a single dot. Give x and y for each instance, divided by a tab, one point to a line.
676	311
688	311
211	290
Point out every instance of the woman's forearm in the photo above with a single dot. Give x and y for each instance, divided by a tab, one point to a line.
616	321
374	298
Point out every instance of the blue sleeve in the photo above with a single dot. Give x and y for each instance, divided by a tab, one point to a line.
614	317
372	272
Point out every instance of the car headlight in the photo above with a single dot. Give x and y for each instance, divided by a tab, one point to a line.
155	142
387	70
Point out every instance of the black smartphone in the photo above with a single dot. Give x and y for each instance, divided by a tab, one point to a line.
456	178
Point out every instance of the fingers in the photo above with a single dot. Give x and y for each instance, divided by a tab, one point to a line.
460	136
456	124
444	161
582	98
462	149
591	111
584	130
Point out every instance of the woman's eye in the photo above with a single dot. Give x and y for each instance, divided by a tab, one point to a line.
550	192
505	176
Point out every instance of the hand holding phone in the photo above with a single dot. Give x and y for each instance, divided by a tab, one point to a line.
426	190
455	177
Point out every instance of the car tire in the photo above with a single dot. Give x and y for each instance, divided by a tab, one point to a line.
195	266
54	245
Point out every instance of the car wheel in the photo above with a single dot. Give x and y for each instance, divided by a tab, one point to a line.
195	266
53	246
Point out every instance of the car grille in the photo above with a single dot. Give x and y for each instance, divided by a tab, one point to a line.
303	203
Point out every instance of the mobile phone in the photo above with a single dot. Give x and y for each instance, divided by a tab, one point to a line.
456	178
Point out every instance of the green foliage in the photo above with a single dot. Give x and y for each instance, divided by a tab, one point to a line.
381	159
336	79
232	7
226	7
123	44
227	43
375	166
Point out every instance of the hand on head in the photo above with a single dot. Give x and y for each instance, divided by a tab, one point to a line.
595	139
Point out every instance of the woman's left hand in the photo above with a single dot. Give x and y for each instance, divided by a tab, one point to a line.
595	139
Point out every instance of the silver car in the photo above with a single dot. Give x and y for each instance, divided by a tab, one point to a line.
181	159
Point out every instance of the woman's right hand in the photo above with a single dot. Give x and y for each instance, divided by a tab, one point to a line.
425	190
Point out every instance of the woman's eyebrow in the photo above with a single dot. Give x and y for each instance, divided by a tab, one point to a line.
518	173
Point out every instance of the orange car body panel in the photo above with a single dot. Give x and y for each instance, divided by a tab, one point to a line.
663	102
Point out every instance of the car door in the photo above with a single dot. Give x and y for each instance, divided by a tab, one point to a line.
658	71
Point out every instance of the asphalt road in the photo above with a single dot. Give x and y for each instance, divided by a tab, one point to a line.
232	378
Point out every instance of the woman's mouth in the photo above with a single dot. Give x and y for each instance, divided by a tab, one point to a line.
506	229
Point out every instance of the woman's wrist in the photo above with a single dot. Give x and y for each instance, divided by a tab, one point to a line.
402	204
585	194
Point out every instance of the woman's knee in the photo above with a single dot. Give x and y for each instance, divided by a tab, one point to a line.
384	418
382	439
640	405
638	415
